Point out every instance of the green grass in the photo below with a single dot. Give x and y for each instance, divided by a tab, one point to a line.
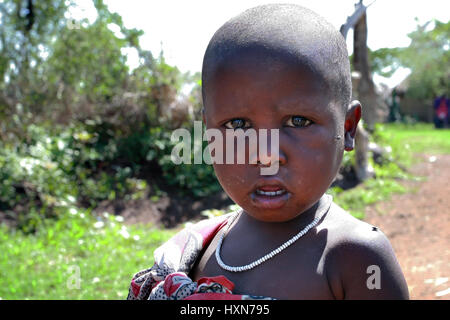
104	254
75	257
405	142
408	140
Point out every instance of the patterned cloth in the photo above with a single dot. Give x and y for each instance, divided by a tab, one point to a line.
168	280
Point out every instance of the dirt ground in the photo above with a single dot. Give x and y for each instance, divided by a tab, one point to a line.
418	226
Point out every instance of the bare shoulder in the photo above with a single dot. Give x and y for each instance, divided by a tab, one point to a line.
359	259
344	228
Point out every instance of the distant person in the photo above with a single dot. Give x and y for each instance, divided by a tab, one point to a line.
441	112
278	67
394	106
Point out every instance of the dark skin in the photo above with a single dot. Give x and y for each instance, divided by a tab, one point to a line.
331	260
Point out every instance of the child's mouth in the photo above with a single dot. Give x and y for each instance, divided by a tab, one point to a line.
269	197
270	193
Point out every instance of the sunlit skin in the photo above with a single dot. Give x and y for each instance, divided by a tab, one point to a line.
330	261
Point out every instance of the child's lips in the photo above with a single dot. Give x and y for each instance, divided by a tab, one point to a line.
269	199
270	195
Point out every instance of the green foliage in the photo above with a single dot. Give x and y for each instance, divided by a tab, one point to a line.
92	69
25	39
76	122
38	176
385	61
428	58
198	180
60	72
85	163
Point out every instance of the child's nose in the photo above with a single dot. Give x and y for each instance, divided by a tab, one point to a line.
270	158
267	153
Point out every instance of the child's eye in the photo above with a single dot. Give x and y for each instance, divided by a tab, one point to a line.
237	124
298	121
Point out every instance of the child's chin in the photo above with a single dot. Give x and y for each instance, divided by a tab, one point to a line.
270	216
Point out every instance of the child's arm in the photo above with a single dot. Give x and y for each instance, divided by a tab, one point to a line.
367	268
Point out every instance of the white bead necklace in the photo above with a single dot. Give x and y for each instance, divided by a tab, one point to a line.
267	256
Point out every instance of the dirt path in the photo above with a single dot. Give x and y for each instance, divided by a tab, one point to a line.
418	227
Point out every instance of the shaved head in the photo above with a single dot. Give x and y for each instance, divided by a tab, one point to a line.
285	33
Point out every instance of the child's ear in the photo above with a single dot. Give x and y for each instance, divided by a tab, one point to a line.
352	118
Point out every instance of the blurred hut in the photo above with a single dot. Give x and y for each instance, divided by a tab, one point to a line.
413	108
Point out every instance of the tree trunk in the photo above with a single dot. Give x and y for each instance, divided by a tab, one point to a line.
363	168
366	88
364	91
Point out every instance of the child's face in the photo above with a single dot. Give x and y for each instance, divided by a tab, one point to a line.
298	103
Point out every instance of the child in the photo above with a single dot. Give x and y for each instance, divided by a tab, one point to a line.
278	67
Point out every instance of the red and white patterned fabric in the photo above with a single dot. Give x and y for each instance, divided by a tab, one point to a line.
167	279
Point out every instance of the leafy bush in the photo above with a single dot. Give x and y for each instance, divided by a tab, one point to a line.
38	176
89	164
195	179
